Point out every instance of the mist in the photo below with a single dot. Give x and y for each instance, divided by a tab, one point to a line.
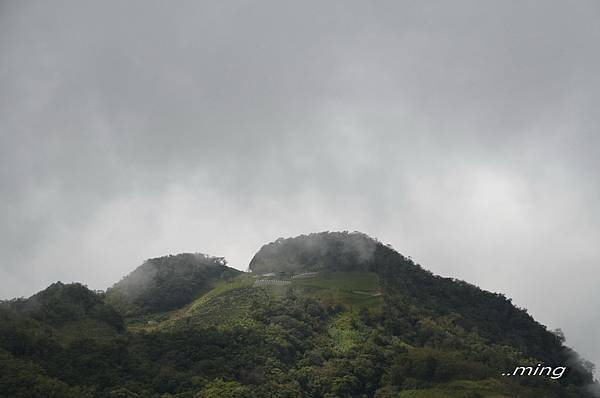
463	133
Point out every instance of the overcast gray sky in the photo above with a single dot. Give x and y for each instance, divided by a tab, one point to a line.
463	133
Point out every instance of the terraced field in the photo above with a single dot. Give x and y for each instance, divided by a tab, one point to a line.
490	388
353	290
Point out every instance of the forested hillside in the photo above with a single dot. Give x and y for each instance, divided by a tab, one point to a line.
167	283
320	315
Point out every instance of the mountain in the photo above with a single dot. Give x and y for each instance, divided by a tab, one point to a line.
332	314
64	308
48	341
167	283
332	251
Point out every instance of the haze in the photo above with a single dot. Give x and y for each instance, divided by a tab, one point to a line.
465	134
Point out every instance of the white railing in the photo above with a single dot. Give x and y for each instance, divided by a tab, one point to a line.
271	282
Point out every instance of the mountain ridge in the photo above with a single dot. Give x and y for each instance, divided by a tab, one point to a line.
354	318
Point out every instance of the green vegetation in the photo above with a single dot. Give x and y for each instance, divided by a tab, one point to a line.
348	281
352	290
167	283
315	252
368	325
346	333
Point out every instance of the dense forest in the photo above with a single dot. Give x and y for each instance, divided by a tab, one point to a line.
331	314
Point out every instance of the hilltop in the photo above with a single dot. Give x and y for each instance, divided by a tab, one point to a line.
337	251
332	314
167	283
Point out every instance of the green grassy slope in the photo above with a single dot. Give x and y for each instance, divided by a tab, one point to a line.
231	302
353	290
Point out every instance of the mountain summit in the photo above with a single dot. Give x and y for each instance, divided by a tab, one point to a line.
334	251
167	283
330	314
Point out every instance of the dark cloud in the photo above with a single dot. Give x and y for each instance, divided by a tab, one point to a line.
463	133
